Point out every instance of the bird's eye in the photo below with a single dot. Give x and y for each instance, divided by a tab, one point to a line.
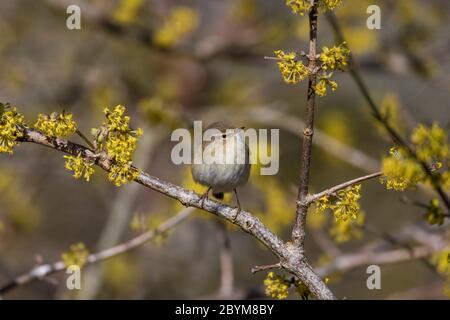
224	136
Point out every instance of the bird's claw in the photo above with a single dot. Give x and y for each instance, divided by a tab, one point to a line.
238	210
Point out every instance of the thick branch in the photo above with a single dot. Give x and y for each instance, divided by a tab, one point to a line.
298	232
291	258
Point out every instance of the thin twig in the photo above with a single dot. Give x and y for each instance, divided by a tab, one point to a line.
352	261
333	190
42	271
256	269
395	136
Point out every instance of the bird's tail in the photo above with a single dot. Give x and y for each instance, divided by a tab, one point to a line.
218	195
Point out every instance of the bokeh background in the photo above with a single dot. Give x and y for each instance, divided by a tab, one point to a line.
170	62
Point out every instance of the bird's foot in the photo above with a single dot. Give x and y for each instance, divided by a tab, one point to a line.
203	197
238	210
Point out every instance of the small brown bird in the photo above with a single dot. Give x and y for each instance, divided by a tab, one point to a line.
228	163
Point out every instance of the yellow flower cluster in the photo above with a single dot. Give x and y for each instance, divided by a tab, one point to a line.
329	4
180	22
119	141
344	204
324	81
435	214
323	203
81	167
431	143
276	286
303	6
444	180
11	123
293	71
335	58
56	124
77	255
127	11
121	174
347	204
442	262
400	171
299	6
346	230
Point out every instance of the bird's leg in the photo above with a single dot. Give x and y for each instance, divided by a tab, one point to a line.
204	196
239	205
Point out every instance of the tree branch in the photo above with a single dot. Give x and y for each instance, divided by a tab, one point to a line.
298	232
45	270
256	269
330	191
429	243
291	257
351	261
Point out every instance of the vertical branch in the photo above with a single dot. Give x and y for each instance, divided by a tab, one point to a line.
298	232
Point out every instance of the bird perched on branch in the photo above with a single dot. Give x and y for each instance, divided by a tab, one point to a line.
225	161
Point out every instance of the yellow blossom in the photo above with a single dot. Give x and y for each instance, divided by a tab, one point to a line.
435	214
293	71
335	58
328	4
431	143
441	260
56	124
347	204
276	286
323	203
81	167
180	22
299	6
11	124
303	6
127	11
121	174
444	179
119	141
400	171
321	86
346	230
77	255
